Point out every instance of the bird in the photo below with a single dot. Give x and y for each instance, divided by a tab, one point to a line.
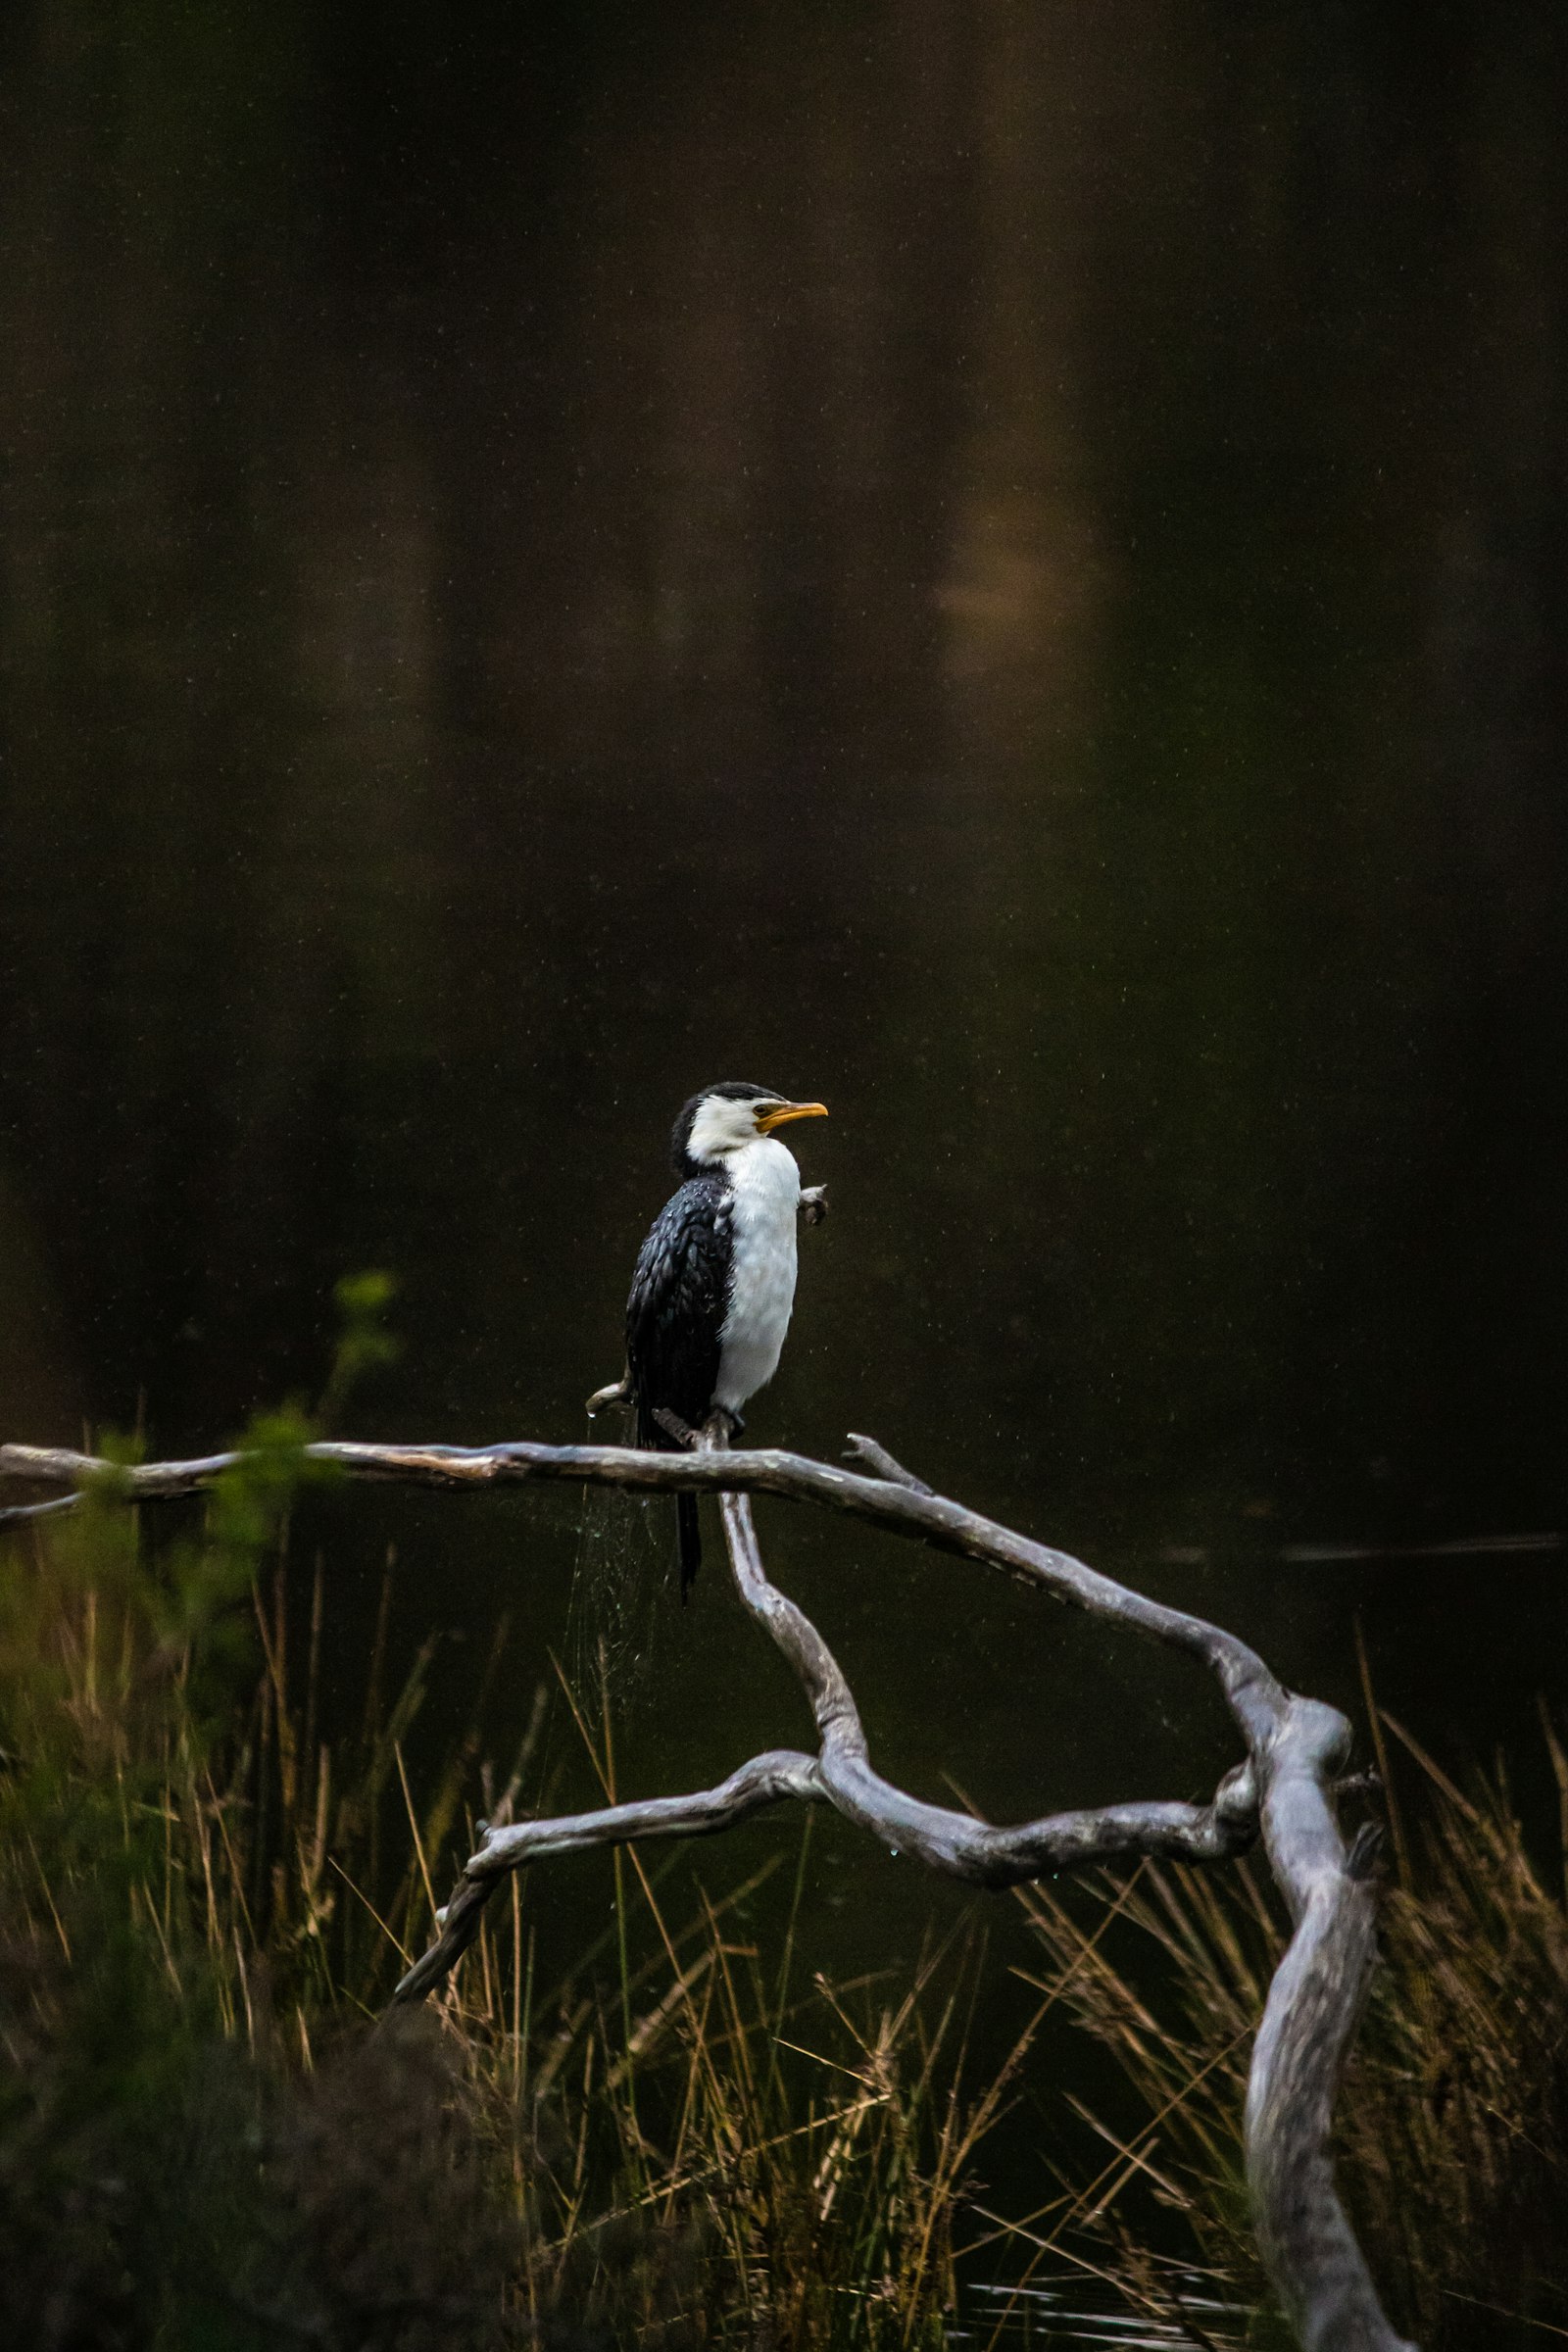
715	1285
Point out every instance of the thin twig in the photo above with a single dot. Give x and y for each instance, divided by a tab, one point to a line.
881	1463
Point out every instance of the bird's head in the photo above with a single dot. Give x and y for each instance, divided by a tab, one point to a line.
725	1118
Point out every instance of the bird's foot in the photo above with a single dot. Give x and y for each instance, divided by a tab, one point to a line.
674	1427
721	1427
813	1206
618	1392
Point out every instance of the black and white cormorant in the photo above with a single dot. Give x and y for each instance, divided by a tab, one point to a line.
714	1283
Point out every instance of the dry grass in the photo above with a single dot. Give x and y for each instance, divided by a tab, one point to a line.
204	2140
1454	2140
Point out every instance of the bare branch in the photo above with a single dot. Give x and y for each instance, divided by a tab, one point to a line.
1308	2019
1295	1751
955	1843
881	1463
1256	1698
762	1781
16	1513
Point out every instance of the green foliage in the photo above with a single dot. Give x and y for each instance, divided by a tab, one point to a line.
364	1343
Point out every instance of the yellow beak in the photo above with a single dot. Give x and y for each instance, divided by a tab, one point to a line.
767	1120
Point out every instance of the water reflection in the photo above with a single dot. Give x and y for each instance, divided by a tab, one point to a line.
1079	2307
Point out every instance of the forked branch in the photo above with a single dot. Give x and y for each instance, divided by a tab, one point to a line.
1296	1751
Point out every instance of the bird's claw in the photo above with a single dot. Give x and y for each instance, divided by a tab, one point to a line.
674	1427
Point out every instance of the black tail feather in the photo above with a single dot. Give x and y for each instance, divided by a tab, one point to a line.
691	1542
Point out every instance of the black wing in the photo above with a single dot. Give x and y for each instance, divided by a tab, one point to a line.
679	1294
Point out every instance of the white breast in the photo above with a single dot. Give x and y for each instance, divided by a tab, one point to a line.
765	1204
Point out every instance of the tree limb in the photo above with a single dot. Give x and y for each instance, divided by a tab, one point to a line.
1295	1751
881	1463
1255	1696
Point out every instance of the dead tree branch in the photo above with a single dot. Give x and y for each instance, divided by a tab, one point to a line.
1296	1751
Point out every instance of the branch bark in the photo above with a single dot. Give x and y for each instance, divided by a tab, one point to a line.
1295	1750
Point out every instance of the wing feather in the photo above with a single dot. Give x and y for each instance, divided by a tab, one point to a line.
679	1294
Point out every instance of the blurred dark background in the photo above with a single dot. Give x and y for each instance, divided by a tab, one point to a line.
1003	566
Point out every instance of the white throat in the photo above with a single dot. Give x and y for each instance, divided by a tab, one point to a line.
765	1204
